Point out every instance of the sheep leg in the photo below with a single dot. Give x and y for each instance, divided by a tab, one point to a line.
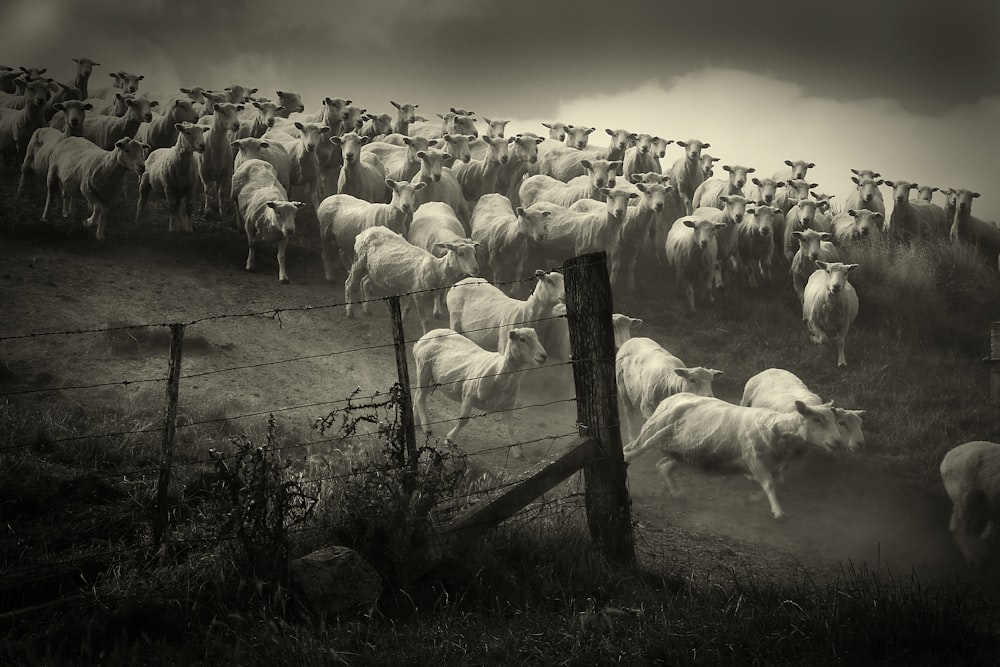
354	282
515	447
51	185
841	359
144	189
463	418
665	467
425	379
689	295
97	213
326	251
763	477
282	245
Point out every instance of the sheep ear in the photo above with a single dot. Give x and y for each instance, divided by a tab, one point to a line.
519	211
704	146
716	373
153	103
852	267
610	132
271	204
751	170
389	183
539	273
821	264
59	106
394	104
801	407
683	372
726	167
876	216
420	186
512	334
792	164
586	164
264	144
635	321
811	165
299	126
178	126
235	144
826	236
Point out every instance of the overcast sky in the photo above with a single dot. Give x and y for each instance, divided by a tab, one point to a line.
910	88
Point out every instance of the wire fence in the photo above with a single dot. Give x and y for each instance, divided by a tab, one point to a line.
346	433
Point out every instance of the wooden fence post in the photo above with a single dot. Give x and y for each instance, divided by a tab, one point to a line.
592	341
170	430
403	373
994	362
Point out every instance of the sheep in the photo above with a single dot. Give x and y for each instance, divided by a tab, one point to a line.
764	190
342	217
853	227
967	228
352	119
451	363
435	226
797	170
866	195
405	114
77	165
387	261
554	332
302	155
734	208
240	94
778	389
709	193
105	131
261	122
43	140
363	174
484	314
798	218
376	126
637	230
755	244
691	249
615	151
441	183
259	149
452	123
161	132
7	78
288	103
829	305
642	156
791	192
587	226
971	476
600	175
174	172
457	148
102	107
215	164
479	176
506	235
523	156
557	130
61	93
926	192
124	83
400	160
17	125
813	245
646	373
687	172
263	210
563	162
913	219
715	435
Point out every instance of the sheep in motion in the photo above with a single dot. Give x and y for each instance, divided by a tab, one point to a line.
474	377
263	210
830	305
971	476
714	435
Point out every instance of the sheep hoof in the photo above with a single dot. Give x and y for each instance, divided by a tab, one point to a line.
780	516
283	281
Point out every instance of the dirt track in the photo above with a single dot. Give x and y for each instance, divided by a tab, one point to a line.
839	510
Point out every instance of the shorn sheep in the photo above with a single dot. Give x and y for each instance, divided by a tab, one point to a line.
174	173
813	246
433	228
263	209
483	312
385	260
829	305
691	250
687	174
477	379
971	476
967	228
506	235
646	373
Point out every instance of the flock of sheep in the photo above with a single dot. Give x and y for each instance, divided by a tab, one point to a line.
422	208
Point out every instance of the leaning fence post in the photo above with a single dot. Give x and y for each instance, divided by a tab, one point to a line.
169	431
403	373
592	342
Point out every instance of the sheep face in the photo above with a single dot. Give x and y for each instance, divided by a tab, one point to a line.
75	111
703	231
405	113
706	162
820	425
799	168
249	147
836	275
227	116
191	137
284	216
404	195
736	207
600	173
350	146
901	190
654	195
556	130
289	101
550	288
140	108
963	200
195	94
578	137
353	118
643	144
531	222
810	241
692	149
311	134
822	201
457	145
463	256
867	224
495	128
621	139
85	66
499	149
266	112
737	175
525	148
131	154
129	82
849	424
38	93
698	380
660	146
768	188
926	192
525	348
867	187
807	212
462	124
799	188
763	220
431	161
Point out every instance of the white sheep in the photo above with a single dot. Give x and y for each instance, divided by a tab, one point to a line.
971	476
451	123
554	332
600	175
637	230
507	235
174	172
778	389
687	173
260	122
479	176
161	132
405	114
853	227
764	190
81	79
363	174
17	125
914	219
250	148
441	183
613	152
643	156
829	305
77	165
523	156
557	130
484	314
586	226
798	218
710	192
813	245
376	125
105	131
967	228
495	127
691	250
385	260
399	159
288	103
755	243
434	227
43	141
480	380
731	214
263	210
343	217
215	163
302	153
123	82
457	148
866	195
646	373
926	192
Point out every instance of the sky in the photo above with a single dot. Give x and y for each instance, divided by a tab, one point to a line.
909	88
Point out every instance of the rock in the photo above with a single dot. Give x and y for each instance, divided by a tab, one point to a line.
334	579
